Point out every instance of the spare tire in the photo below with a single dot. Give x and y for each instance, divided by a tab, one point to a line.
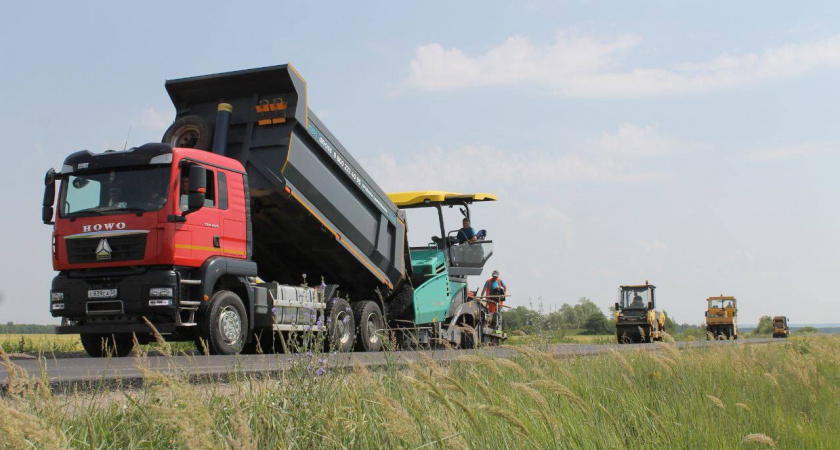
190	132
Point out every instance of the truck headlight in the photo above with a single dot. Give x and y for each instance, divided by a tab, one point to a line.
56	296
57	306
160	292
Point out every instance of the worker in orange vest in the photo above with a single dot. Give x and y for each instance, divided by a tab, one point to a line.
494	286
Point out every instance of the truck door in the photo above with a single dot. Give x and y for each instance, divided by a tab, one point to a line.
231	193
203	231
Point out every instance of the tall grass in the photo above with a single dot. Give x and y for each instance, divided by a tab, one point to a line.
41	343
727	396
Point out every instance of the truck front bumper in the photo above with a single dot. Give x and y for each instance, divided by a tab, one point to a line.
114	302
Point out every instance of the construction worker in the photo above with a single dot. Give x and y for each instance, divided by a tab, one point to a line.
466	233
494	286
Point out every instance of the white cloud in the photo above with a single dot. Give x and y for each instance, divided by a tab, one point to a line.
584	66
608	159
790	152
473	165
635	141
152	119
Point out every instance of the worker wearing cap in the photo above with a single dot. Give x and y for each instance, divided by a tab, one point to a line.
466	233
494	286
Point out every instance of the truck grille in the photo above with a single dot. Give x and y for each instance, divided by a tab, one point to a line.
113	249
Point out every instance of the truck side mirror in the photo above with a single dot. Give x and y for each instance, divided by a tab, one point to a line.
47	210
197	188
616	306
650	305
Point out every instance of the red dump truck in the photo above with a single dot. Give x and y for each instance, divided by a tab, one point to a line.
248	185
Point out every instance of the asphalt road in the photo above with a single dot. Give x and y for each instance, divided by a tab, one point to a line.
130	372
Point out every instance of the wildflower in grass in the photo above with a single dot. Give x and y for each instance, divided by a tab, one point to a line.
758	438
321	371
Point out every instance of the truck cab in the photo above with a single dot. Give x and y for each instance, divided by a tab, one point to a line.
133	234
722	317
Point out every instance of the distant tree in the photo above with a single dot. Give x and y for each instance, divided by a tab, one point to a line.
765	325
23	328
597	323
671	325
522	318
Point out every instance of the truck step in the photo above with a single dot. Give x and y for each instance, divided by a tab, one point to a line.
189	303
193	282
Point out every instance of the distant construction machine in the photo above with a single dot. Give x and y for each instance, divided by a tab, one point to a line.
722	318
780	327
636	317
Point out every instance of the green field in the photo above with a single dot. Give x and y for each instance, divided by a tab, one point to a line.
41	343
728	396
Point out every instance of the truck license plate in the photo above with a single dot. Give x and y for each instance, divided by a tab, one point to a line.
102	293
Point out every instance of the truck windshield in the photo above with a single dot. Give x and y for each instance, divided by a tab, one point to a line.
131	189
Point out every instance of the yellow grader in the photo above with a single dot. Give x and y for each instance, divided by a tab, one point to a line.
722	318
780	327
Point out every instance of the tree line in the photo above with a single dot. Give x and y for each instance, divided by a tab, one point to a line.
26	328
584	317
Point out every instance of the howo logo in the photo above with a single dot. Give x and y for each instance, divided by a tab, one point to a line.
104	226
103	250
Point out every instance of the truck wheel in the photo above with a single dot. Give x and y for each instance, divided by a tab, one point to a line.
401	303
223	323
191	131
369	326
101	345
340	326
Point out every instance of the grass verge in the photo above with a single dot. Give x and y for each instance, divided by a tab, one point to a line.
726	396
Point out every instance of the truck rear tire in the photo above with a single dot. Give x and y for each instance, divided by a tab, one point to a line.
340	326
101	345
369	326
191	131
222	324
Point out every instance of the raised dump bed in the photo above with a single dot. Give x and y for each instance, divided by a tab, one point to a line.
314	209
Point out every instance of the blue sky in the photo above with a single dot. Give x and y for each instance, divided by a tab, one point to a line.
691	144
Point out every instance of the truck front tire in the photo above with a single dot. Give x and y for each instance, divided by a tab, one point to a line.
102	345
369	326
340	326
223	324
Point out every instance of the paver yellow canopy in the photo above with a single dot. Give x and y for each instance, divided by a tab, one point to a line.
422	199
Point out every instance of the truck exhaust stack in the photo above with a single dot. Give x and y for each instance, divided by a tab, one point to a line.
220	137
